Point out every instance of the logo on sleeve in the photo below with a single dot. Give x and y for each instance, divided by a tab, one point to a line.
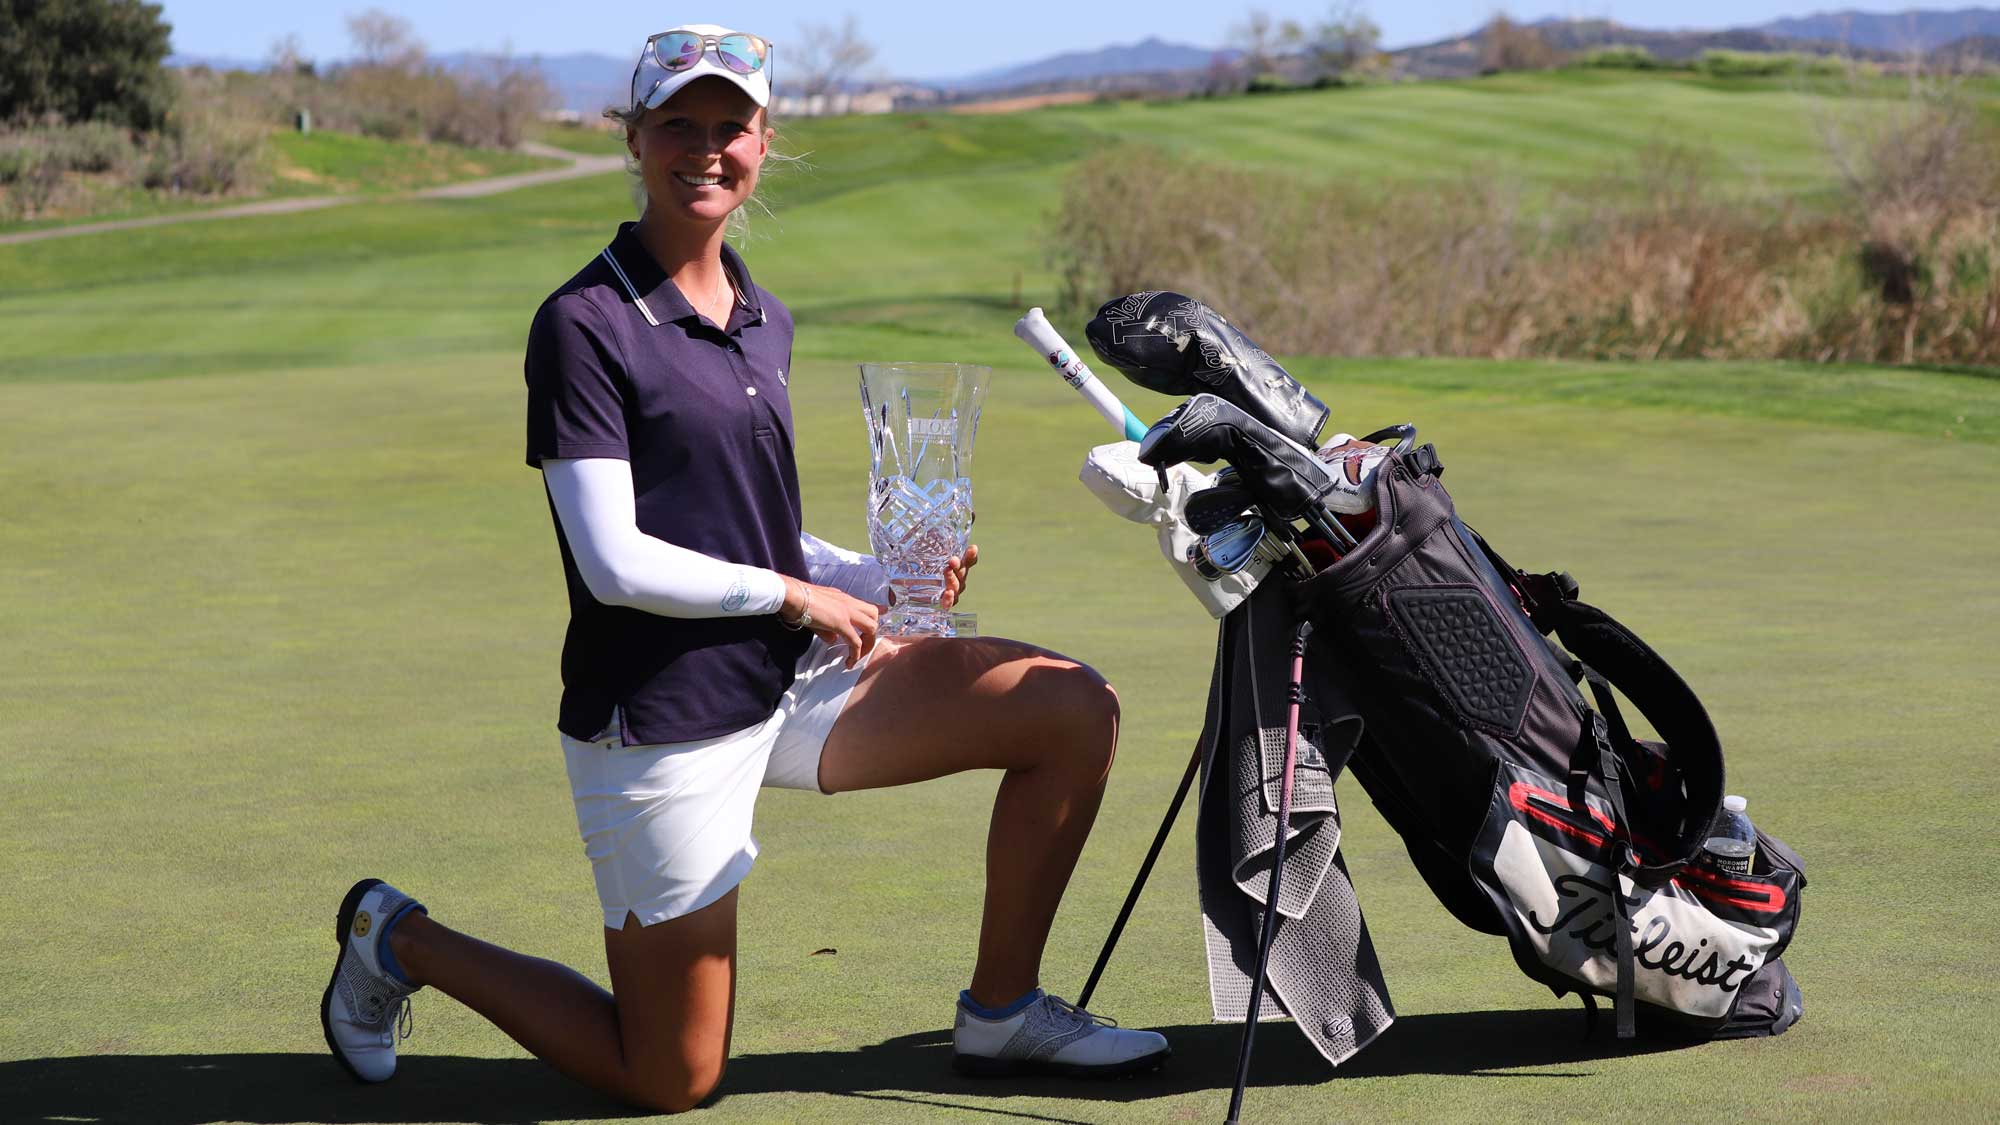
737	595
781	378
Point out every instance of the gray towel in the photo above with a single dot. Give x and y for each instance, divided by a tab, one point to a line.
1323	971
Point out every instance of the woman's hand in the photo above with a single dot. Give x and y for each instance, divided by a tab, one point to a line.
837	616
956	573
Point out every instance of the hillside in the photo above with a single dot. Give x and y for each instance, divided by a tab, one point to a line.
933	224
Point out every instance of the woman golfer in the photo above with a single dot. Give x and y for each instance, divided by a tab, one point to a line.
714	648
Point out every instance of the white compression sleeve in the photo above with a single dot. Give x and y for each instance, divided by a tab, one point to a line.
625	566
847	571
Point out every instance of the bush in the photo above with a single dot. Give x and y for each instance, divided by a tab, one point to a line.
1923	194
32	174
36	163
1624	57
1652	264
208	154
90	147
1719	63
1505	45
1270	84
93	146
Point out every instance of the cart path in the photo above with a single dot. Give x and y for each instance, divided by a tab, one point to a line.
579	165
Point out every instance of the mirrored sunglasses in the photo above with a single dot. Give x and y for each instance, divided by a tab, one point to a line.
678	50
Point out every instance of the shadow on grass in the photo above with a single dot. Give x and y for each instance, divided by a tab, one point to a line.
910	1070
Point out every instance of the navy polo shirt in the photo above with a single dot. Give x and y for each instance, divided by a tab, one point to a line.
620	365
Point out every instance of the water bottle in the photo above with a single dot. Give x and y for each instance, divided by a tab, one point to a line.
1732	842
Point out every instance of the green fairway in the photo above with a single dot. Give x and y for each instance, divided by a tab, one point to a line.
283	610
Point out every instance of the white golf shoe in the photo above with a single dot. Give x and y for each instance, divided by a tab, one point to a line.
365	1010
1052	1036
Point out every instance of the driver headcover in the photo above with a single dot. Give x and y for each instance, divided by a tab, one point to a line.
1174	344
1283	478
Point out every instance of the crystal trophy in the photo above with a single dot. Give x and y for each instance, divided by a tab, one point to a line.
922	418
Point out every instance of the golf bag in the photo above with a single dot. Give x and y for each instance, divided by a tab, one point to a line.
1528	812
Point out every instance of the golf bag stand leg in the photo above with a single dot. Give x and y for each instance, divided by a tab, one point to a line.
1138	884
1294	693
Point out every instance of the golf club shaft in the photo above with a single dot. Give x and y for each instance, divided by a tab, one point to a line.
1295	692
1035	331
1331	528
1138	884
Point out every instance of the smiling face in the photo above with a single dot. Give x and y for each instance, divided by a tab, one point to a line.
700	151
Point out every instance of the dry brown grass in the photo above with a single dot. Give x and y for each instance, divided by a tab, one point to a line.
1647	265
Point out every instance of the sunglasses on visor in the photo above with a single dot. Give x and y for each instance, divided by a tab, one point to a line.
683	49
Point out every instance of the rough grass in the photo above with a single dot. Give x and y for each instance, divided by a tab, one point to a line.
328	163
283	608
321	163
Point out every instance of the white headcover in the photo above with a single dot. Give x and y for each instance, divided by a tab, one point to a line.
1132	491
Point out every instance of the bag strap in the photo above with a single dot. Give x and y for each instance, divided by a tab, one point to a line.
1607	654
1612	655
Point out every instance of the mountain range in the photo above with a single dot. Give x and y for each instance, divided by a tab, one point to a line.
1884	31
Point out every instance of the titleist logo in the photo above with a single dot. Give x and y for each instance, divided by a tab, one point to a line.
1197	417
1589	920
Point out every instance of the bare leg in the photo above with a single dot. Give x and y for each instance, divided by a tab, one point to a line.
660	1043
1050	722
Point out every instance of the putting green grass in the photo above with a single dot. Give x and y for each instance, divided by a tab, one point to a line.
283	607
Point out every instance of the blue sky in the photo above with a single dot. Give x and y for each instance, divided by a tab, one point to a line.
914	39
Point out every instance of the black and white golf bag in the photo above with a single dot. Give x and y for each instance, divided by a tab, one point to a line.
1529	812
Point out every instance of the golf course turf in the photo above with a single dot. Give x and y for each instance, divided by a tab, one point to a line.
282	610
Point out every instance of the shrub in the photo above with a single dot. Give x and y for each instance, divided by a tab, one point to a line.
208	154
92	146
1624	57
1720	63
1505	45
1652	264
36	163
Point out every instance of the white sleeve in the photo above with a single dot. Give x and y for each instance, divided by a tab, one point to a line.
847	571
625	566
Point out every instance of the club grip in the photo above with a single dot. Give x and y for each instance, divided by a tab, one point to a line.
1035	331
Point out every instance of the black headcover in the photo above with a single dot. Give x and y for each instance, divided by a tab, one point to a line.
1215	507
1284	478
1174	344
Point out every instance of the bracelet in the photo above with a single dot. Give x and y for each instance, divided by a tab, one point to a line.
805	611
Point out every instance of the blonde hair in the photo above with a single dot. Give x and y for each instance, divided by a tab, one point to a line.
739	219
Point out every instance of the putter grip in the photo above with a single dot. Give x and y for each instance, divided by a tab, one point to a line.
1035	331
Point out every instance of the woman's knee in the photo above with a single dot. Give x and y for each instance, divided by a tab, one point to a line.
1089	707
677	1089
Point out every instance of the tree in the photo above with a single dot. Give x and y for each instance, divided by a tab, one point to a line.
385	39
391	87
287	56
1345	40
826	58
1506	45
84	60
1259	38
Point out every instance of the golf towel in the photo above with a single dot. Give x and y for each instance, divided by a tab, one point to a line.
1323	971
